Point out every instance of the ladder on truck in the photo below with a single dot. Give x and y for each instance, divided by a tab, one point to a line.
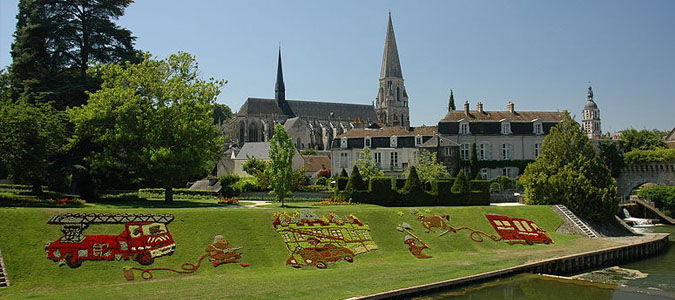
72	224
4	281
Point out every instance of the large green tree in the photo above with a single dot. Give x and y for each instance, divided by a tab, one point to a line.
281	160
56	41
367	166
153	119
31	137
568	172
428	167
641	140
610	153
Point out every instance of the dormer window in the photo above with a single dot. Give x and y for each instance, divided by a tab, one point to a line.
393	141
506	127
418	140
537	127
343	143
464	127
366	141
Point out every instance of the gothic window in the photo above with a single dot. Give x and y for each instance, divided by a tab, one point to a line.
398	95
464	151
242	133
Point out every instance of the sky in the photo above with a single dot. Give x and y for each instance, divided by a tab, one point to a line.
539	54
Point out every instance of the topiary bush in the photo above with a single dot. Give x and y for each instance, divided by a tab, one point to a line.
461	185
341	183
228	187
355	182
413	182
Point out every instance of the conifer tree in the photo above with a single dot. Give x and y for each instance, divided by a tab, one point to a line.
569	172
461	184
355	182
412	183
451	102
281	156
473	161
343	173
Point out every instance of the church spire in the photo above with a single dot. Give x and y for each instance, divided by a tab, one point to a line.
279	88
391	67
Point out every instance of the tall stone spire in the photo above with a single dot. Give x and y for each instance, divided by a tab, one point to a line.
391	66
280	90
392	98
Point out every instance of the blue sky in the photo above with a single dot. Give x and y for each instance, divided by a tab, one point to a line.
538	54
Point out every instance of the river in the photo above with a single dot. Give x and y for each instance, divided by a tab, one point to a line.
654	281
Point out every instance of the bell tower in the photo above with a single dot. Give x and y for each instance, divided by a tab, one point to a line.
391	106
591	117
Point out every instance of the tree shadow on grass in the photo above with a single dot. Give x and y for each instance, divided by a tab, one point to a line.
155	204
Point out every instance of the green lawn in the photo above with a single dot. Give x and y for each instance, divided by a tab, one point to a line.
24	233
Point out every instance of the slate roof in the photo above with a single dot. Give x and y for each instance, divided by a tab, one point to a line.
517	116
312	109
259	150
434	142
390	131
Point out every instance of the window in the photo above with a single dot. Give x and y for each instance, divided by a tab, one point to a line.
344	160
448	151
392	141
367	141
506	172
418	140
394	159
483	151
343	143
538	128
537	149
378	159
506	151
506	127
484	173
464	128
464	151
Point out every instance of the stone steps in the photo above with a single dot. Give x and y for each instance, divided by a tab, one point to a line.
4	281
578	223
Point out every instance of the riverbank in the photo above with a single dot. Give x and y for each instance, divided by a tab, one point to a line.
390	267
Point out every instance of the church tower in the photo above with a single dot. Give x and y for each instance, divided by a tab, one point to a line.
391	106
591	117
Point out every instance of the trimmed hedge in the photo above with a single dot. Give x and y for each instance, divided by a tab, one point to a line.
381	191
649	156
176	191
341	183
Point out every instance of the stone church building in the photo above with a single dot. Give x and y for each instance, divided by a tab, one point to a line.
314	124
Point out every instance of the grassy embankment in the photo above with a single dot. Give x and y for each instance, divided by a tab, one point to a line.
24	233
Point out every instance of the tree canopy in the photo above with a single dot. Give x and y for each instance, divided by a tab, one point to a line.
281	156
152	119
568	172
641	140
367	166
428	167
56	41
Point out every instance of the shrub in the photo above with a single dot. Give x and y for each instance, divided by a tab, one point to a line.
380	191
315	188
355	182
412	183
461	185
299	179
247	185
648	156
662	195
322	181
343	173
341	183
161	191
228	187
480	185
398	183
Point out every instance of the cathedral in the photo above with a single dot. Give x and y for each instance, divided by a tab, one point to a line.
314	124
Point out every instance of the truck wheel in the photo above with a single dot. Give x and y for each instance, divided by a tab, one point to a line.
145	259
321	265
72	261
349	259
529	242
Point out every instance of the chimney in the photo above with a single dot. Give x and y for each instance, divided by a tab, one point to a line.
479	107
466	107
510	107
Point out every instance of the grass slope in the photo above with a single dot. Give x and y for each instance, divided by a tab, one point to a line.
24	233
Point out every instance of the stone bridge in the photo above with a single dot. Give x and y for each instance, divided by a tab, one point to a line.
632	176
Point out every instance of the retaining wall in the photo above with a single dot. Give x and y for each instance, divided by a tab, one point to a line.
556	266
